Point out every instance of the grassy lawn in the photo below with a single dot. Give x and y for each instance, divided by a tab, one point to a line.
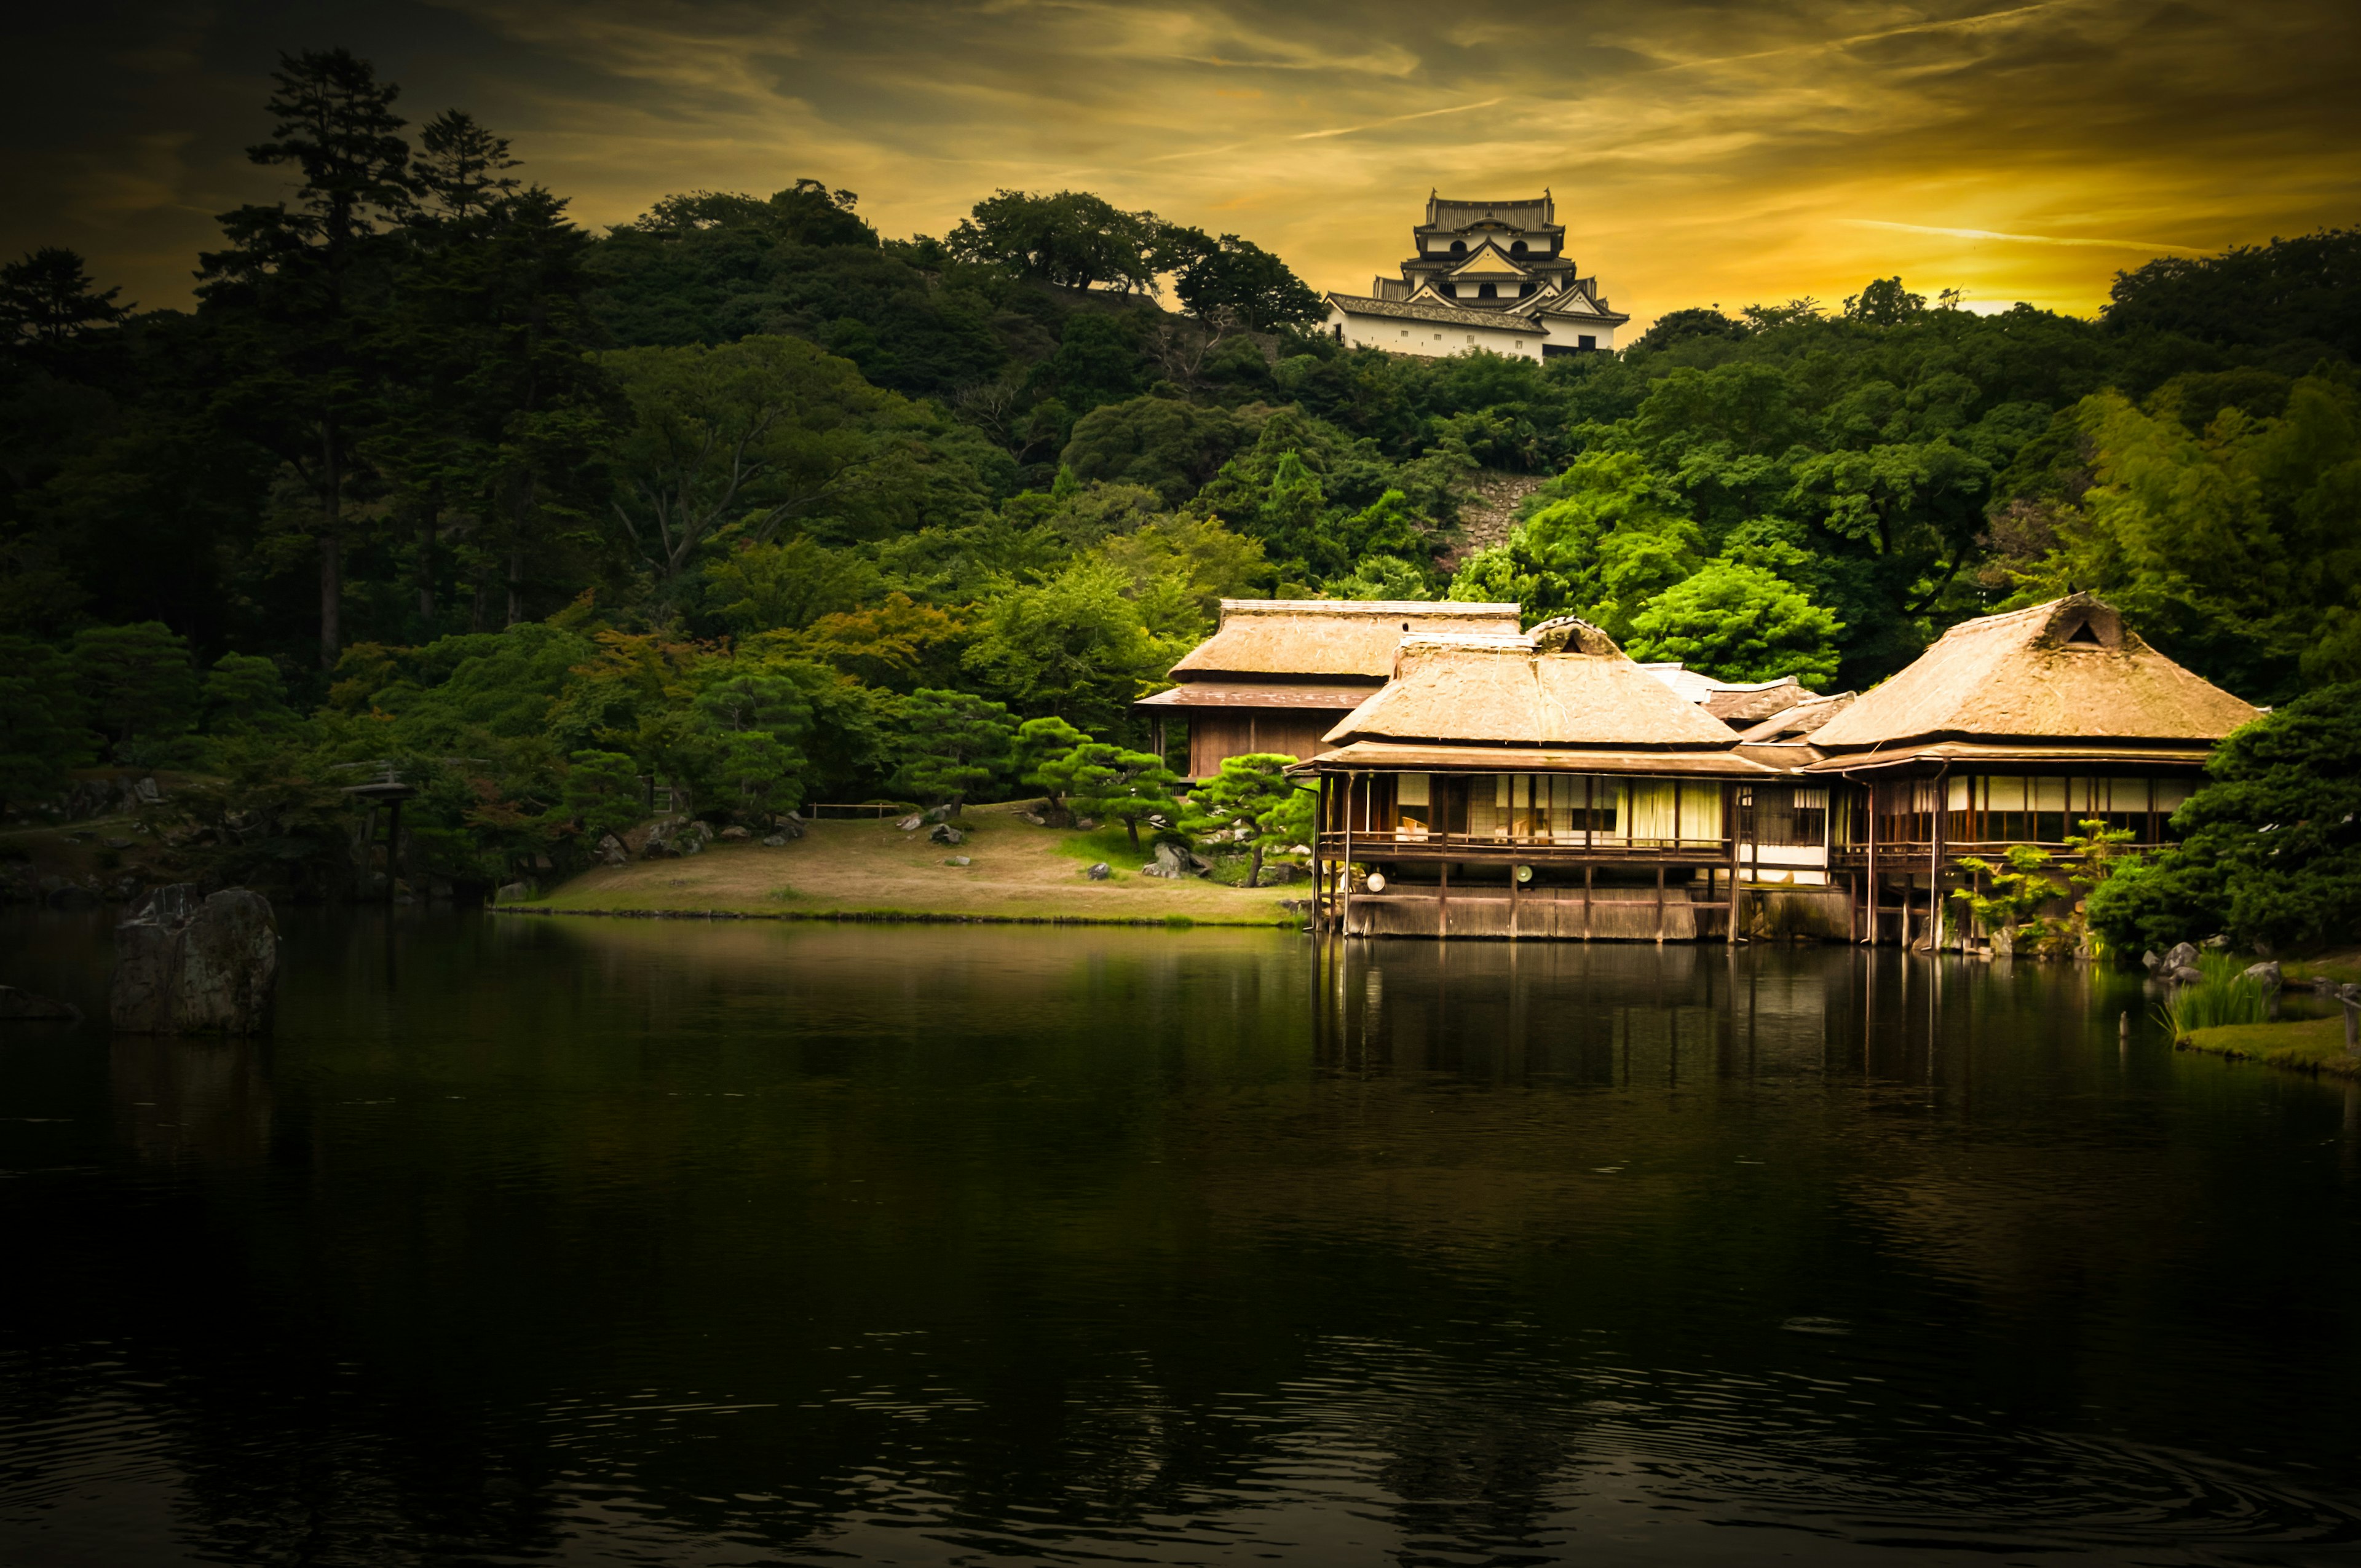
2314	1044
873	869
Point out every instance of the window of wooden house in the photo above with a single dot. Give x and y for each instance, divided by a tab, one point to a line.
1413	812
1790	815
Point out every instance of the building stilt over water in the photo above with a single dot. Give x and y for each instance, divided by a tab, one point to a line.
1543	785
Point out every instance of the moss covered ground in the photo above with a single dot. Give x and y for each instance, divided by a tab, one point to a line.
2310	1045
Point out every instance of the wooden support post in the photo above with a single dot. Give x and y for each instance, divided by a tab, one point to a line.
1513	890
1736	809
1935	872
1660	907
1345	867
1319	826
1587	871
1442	904
1873	865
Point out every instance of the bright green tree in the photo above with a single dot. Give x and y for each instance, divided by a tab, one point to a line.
138	684
1253	802
2271	849
1738	622
1075	645
1119	786
1617	537
952	745
1045	756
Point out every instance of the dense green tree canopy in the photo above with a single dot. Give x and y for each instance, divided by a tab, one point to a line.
748	496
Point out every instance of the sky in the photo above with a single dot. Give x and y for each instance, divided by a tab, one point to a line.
1701	152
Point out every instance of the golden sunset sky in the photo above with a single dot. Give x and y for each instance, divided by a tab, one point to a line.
1700	152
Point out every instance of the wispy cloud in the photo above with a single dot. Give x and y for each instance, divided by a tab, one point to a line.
1700	149
2150	246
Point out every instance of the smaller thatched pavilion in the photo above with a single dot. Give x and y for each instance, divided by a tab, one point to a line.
1539	786
1278	674
2011	729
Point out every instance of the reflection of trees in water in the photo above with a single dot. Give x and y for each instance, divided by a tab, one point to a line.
676	1232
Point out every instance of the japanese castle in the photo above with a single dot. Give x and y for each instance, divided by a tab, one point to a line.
1490	275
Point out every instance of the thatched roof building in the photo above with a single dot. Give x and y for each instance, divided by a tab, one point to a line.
1553	699
1278	674
1325	641
2062	677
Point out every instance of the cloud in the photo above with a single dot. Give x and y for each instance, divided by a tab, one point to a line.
1699	149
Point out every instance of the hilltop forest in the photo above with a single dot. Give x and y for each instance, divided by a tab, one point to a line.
744	497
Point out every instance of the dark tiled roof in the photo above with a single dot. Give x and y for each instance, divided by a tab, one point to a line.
1427	311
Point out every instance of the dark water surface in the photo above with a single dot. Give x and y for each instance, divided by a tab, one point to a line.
663	1241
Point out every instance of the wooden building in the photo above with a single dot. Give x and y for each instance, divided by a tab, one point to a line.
2011	729
1534	786
1546	785
1279	673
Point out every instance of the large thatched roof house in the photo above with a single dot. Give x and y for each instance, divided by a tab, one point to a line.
1278	674
1452	750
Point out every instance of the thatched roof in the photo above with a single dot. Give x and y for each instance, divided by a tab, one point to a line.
1330	698
1326	639
1968	755
2068	670
1801	719
1525	691
1378	756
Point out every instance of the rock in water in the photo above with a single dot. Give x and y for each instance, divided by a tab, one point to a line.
2182	955
185	966
26	1007
2266	975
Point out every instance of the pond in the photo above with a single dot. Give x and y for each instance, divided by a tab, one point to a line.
529	1240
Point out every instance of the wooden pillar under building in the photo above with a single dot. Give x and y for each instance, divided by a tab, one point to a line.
1319	826
1587	871
1660	907
1442	904
1513	887
1873	865
1935	869
1344	867
1737	814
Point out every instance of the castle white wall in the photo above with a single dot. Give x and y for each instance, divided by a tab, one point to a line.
1432	340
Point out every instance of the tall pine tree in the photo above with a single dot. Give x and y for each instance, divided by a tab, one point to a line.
304	282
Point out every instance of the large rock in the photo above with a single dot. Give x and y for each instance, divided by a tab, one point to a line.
1098	872
27	1007
945	833
612	852
2182	955
2266	975
186	966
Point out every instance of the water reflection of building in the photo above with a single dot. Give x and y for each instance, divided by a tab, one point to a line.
1605	1015
1543	785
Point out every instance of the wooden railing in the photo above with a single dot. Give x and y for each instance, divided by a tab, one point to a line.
1387	842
